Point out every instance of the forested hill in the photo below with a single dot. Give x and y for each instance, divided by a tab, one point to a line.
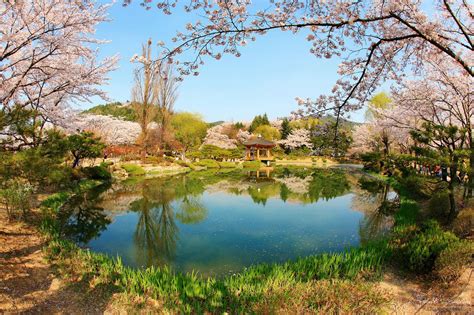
117	109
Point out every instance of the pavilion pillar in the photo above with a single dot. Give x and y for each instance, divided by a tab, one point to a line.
258	153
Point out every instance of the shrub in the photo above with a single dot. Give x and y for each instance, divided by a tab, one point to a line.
208	163
418	247
415	186
130	157
439	206
133	169
451	261
16	198
97	173
227	165
462	225
372	161
182	163
155	159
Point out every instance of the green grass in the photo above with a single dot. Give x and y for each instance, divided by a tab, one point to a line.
208	163
133	169
188	292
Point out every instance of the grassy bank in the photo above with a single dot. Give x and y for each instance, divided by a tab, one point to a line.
328	282
331	282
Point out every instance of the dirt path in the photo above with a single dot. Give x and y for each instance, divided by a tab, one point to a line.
28	284
411	297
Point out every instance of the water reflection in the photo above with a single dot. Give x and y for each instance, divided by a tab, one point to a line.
211	220
81	219
378	202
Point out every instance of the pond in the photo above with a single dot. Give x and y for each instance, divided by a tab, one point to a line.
219	222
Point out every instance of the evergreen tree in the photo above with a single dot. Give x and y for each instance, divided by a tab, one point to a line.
285	128
259	121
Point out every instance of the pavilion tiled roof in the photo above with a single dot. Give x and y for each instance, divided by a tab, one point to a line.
259	141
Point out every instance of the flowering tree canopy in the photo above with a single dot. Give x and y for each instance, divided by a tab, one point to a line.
111	130
48	59
47	52
216	137
298	138
377	39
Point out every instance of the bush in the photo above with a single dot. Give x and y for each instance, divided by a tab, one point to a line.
155	159
439	206
418	247
415	186
16	198
133	169
227	165
462	225
452	260
208	163
372	161
97	172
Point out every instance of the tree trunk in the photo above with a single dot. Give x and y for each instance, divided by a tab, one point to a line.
76	162
452	201
144	144
452	173
470	184
453	169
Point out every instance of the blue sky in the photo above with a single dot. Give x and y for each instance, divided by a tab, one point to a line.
266	79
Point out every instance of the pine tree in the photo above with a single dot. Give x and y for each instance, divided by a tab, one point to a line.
285	128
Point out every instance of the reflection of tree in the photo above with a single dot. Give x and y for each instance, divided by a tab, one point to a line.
80	219
327	184
302	184
191	211
156	232
284	192
372	199
260	192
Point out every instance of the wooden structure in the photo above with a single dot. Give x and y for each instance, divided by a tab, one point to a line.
263	173
259	149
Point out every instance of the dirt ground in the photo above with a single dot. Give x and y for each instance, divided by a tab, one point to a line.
415	297
29	285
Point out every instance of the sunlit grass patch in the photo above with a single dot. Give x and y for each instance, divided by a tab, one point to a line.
133	169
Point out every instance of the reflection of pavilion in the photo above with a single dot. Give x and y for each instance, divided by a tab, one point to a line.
259	149
261	173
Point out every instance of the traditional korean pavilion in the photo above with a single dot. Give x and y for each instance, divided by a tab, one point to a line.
259	149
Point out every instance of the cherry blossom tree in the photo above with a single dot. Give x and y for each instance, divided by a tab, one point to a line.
48	59
111	130
47	52
443	97
380	136
378	40
216	137
243	136
298	138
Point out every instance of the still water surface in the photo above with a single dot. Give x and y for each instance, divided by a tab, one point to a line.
219	222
